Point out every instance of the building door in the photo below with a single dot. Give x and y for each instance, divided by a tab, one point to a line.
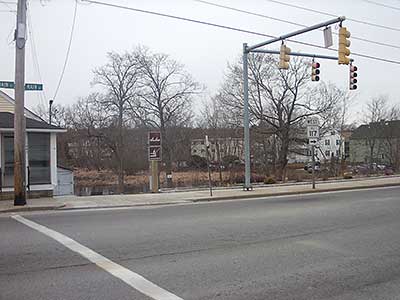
8	160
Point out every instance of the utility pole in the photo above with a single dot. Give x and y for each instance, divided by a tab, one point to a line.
19	117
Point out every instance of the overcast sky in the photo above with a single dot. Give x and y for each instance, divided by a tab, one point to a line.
204	50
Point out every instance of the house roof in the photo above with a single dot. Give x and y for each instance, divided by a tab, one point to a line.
7	122
383	129
7	104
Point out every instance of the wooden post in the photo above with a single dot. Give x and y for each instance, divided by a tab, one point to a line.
154	176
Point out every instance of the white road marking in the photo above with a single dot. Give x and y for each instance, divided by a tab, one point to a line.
133	279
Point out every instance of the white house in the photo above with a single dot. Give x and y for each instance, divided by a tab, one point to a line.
331	144
41	151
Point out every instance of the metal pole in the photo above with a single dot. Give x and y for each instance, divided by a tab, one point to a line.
19	118
298	54
247	184
208	166
313	166
297	32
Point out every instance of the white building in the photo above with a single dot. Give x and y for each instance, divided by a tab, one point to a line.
329	145
41	151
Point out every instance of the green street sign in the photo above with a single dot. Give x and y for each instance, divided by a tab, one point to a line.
28	86
6	84
33	87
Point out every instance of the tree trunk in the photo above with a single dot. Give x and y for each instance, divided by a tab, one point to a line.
282	157
219	161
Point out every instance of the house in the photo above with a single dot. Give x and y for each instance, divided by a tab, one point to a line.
330	144
41	151
223	142
377	142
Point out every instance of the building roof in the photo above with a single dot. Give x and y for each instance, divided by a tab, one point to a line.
7	104
7	122
383	129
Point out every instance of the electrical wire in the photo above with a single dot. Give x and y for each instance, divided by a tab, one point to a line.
34	54
289	22
6	3
333	15
233	29
68	50
382	4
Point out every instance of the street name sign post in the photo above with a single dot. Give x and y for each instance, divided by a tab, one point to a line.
154	156
313	137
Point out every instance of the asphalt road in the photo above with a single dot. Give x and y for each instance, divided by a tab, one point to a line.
343	245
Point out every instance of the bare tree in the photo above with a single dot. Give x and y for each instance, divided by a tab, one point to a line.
165	98
58	114
280	99
119	80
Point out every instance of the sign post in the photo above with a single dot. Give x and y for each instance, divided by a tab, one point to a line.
154	142
208	164
313	137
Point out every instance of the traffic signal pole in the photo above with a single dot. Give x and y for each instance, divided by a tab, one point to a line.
19	117
254	48
246	120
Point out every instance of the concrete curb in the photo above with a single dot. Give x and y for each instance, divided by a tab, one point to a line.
249	196
65	208
31	208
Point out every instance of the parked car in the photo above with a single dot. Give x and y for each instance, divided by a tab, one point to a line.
308	167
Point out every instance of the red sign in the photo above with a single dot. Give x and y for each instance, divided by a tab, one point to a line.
154	145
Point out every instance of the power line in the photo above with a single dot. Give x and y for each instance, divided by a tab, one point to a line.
68	50
233	29
6	3
35	59
382	4
289	22
333	15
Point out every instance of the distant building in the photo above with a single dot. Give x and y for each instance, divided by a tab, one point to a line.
331	144
219	148
377	142
224	142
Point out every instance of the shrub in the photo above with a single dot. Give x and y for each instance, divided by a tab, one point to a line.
269	180
347	175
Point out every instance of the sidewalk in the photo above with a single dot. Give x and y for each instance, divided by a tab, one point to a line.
84	202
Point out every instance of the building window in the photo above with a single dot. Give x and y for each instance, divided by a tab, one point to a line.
39	158
337	153
327	142
337	142
327	153
7	160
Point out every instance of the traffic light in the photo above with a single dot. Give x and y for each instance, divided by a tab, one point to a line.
353	77
315	71
344	43
284	57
